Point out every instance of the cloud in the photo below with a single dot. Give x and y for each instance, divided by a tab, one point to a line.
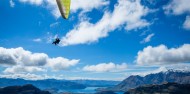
12	4
87	5
179	67
161	55
51	5
31	76
186	24
105	67
21	57
126	13
34	2
27	76
177	7
37	40
23	69
144	73
60	63
148	38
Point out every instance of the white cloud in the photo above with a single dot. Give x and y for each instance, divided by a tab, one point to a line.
105	67
178	7
35	2
31	76
37	40
12	4
126	12
179	67
161	55
186	24
60	63
21	57
87	5
148	38
49	4
23	69
144	73
27	76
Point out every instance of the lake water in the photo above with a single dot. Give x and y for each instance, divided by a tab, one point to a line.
88	90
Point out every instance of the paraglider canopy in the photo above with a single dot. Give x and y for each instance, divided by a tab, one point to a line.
64	7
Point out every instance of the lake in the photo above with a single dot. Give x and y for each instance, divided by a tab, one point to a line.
88	90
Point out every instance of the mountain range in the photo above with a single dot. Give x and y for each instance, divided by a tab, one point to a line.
134	81
42	84
58	84
128	84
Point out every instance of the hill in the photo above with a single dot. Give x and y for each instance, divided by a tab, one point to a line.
25	89
166	88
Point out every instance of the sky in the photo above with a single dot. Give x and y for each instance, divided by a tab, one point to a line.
101	39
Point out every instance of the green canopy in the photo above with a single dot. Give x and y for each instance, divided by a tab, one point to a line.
64	7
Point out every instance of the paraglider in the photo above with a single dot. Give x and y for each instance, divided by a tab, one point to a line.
64	7
56	41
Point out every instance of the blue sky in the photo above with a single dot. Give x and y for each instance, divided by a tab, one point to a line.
102	39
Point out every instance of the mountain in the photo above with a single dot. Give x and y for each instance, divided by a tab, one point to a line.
96	83
166	88
25	89
157	78
58	84
42	84
106	92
